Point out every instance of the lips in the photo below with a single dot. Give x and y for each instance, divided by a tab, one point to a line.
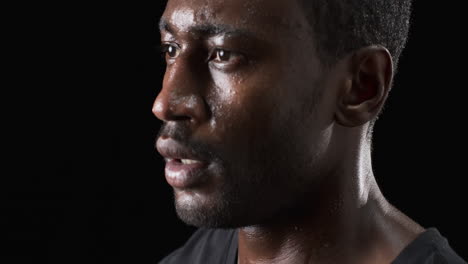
184	167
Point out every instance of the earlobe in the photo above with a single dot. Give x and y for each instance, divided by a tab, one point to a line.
365	91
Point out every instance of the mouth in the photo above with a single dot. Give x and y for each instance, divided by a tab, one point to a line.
184	167
184	173
184	161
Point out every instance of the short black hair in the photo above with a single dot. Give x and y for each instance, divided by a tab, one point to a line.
342	26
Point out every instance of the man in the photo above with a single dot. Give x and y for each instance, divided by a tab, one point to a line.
268	108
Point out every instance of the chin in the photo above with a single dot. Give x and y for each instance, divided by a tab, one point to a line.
210	212
200	216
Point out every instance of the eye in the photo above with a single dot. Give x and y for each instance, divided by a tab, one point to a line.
222	55
226	59
169	51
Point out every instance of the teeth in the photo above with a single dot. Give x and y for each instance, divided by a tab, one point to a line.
188	161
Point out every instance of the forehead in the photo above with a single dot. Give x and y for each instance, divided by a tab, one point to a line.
261	17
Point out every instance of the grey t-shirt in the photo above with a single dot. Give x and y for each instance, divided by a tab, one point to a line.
219	246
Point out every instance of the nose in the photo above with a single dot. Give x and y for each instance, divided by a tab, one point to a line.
181	96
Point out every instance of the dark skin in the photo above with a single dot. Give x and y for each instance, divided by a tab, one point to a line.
289	160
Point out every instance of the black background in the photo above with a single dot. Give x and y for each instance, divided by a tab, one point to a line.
82	181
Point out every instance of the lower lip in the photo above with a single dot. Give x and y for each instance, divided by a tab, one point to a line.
182	176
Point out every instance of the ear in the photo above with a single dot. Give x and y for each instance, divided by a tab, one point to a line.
364	93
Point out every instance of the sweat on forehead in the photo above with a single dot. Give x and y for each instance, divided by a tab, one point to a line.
257	15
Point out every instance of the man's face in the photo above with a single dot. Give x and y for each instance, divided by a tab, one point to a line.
244	94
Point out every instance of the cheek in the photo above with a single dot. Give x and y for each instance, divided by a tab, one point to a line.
246	120
223	95
240	102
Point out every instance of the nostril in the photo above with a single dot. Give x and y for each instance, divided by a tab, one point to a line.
172	105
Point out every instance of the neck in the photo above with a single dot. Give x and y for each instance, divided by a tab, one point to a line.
346	220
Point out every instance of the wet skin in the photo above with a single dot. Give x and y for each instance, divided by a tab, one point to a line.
279	139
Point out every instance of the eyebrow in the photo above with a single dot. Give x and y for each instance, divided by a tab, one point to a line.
206	29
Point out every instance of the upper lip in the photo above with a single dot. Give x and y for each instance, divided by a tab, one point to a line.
172	149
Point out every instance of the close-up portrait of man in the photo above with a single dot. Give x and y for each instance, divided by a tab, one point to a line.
235	132
268	109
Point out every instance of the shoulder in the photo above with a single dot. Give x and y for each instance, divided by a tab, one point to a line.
430	247
205	246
